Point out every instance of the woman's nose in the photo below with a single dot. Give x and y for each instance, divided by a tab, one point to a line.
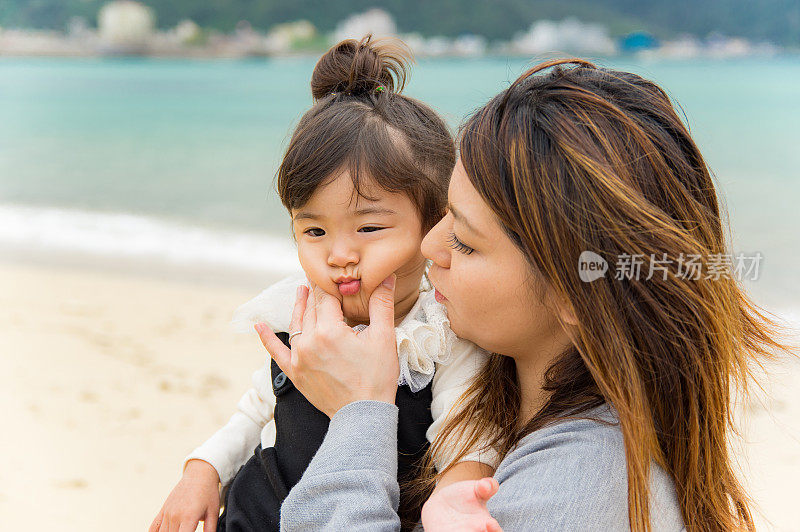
342	253
434	246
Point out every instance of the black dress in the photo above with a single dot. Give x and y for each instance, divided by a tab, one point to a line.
254	497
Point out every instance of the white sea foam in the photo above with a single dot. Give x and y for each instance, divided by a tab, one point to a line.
143	238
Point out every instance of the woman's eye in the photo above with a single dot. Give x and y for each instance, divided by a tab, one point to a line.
314	231
371	229
458	245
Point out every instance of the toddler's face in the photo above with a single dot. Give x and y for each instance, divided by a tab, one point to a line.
343	237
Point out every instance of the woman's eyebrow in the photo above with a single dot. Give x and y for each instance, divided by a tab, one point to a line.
460	217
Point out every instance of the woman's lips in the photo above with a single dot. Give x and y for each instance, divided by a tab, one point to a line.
350	288
438	295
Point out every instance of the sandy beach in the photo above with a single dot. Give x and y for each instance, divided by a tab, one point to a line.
110	378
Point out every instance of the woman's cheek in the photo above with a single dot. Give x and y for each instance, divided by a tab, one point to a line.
464	301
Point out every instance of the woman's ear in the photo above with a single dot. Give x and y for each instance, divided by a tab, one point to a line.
565	311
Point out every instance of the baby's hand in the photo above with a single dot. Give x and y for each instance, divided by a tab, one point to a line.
461	507
195	498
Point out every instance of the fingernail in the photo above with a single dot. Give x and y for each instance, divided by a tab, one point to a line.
259	327
299	291
389	282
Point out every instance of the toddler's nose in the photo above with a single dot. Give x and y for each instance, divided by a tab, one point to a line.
342	253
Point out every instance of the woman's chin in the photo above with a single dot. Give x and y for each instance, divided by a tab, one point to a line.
455	326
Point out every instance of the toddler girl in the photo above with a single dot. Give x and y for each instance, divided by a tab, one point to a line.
364	178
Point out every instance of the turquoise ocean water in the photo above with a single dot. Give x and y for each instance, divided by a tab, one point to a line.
174	159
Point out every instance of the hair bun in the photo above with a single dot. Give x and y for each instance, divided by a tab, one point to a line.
360	67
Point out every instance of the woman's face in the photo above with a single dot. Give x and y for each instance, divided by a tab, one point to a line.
341	236
483	279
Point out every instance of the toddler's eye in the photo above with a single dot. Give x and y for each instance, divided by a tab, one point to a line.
371	229
311	231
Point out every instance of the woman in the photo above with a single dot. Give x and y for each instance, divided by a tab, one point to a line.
607	393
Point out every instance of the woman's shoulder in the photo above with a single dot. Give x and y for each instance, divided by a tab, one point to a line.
573	474
591	433
599	424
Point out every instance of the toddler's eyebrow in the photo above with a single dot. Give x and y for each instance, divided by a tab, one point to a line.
374	210
305	215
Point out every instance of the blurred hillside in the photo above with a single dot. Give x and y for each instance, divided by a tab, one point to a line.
777	21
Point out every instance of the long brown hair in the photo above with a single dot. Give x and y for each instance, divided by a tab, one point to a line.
586	158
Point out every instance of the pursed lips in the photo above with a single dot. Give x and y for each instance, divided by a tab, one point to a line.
348	286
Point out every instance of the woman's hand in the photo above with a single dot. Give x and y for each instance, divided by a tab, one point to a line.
461	507
329	363
195	498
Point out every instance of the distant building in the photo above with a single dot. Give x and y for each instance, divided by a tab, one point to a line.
685	46
375	21
126	26
469	45
284	37
187	32
720	46
568	35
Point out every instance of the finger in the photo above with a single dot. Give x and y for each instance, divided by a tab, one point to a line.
210	522
164	524
310	314
485	488
156	524
299	309
381	305
277	350
329	309
188	526
493	526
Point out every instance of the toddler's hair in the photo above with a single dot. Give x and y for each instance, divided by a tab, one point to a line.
361	123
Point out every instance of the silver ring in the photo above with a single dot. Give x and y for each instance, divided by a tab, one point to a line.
292	335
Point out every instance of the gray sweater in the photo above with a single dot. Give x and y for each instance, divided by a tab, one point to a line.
568	476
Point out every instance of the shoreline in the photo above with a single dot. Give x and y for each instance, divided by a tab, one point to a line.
142	268
143	245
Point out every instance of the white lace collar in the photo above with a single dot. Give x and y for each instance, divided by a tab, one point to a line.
423	336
